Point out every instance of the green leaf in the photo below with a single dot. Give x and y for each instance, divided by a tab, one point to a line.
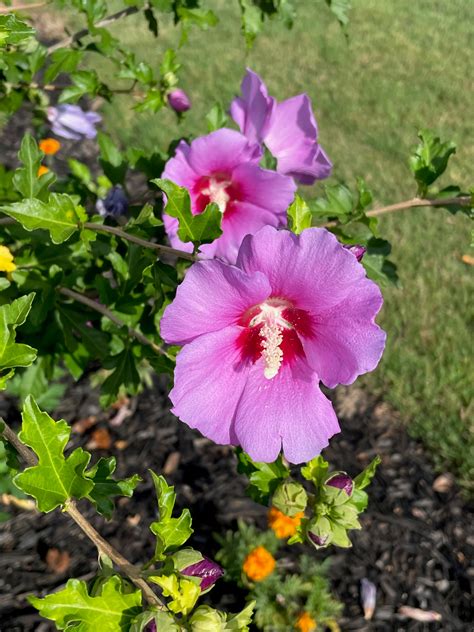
299	215
55	479
204	18
171	532
33	381
72	608
264	478
13	354
363	479
252	21
125	375
26	179
202	228
62	60
340	8
111	159
163	621
430	158
183	592
59	215
216	117
338	203
13	31
86	82
376	264
315	470
106	488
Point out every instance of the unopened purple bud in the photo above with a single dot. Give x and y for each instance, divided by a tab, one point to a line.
114	204
357	250
342	481
319	540
151	627
368	594
179	100
207	570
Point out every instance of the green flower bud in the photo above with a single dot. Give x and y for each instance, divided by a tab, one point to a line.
290	498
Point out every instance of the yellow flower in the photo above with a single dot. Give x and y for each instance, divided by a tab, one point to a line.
283	526
42	170
258	564
50	146
306	623
6	260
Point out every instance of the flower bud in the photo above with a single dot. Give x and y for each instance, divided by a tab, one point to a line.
179	101
318	540
114	204
319	532
357	250
342	481
207	570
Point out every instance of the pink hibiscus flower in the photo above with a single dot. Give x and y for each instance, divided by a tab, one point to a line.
260	336
222	167
288	129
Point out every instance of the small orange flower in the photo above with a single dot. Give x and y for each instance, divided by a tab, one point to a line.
42	170
258	564
306	623
50	146
283	526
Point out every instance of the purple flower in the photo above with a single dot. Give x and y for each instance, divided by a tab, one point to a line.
259	337
341	481
151	627
179	101
222	168
207	570
70	121
357	250
114	204
288	129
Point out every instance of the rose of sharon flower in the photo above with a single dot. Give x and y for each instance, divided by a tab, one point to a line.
288	129
259	337
222	168
71	121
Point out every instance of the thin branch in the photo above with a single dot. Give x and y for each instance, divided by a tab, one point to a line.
462	200
137	240
23	7
102	545
83	32
98	307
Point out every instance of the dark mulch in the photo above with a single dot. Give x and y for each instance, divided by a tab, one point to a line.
413	545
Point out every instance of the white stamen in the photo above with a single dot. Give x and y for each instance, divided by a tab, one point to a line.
272	335
217	193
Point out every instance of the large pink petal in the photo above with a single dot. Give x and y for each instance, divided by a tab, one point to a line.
220	152
178	168
288	410
253	110
212	296
312	270
292	138
208	381
346	341
264	188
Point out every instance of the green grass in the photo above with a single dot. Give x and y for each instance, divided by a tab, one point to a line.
406	65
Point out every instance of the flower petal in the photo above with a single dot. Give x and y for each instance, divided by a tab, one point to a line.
265	188
208	382
253	110
292	138
220	152
212	296
289	409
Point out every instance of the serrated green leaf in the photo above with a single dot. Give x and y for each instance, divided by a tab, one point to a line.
299	215
202	228
59	215
340	8
338	203
171	532
216	117
183	592
106	488
62	60
14	31
204	18
56	479
252	21
125	375
430	158
13	354
25	179
363	479
72	608
86	82
264	478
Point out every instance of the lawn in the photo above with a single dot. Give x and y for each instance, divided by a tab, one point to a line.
404	66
